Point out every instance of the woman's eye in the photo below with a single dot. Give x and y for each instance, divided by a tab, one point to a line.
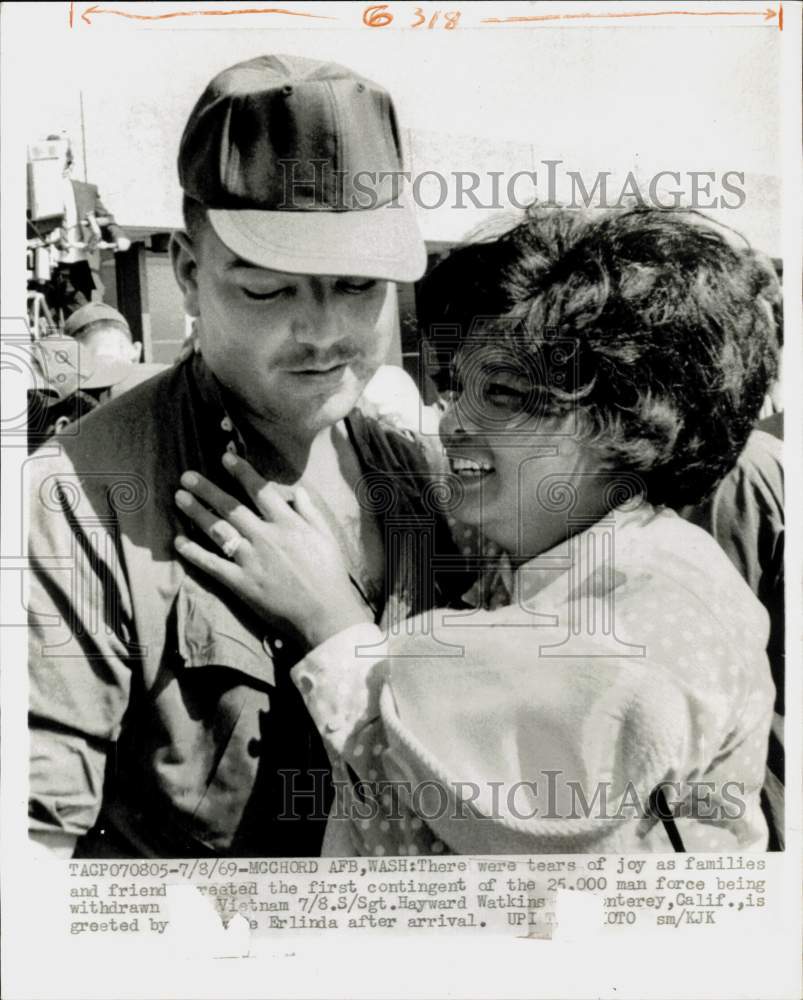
356	287
264	296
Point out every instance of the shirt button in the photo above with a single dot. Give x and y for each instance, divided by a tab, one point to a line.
226	424
231	447
277	644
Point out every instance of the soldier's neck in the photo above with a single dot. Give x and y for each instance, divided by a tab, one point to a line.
291	454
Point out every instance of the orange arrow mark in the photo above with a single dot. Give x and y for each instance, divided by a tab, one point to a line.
768	13
95	10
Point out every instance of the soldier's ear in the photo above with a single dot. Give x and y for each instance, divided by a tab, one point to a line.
184	258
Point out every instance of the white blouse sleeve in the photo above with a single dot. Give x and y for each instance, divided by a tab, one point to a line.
514	751
340	681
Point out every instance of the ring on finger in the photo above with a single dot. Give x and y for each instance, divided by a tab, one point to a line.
231	546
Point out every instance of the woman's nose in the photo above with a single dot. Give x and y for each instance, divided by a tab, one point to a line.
457	420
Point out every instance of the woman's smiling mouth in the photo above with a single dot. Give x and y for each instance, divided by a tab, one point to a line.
470	470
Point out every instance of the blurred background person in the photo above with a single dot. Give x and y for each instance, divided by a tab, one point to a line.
96	360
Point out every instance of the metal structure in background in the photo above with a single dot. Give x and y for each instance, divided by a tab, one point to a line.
132	294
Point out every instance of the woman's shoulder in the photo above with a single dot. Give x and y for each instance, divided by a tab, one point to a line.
672	563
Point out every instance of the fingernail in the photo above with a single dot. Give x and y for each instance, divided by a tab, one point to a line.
229	460
180	541
189	479
183	499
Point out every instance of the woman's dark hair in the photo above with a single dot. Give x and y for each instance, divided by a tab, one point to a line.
658	330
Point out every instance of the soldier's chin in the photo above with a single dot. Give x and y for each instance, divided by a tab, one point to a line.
333	408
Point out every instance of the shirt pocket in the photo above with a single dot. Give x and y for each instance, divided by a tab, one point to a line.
211	633
219	709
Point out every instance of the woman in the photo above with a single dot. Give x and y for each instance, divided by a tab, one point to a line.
604	372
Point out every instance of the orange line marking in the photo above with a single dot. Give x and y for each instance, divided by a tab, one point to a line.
95	9
768	13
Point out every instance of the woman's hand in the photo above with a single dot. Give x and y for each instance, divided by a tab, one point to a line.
285	564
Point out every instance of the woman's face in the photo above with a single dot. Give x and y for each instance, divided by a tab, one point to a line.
528	482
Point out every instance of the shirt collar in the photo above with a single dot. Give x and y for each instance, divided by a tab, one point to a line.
215	408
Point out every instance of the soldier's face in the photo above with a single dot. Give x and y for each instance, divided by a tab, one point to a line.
294	349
